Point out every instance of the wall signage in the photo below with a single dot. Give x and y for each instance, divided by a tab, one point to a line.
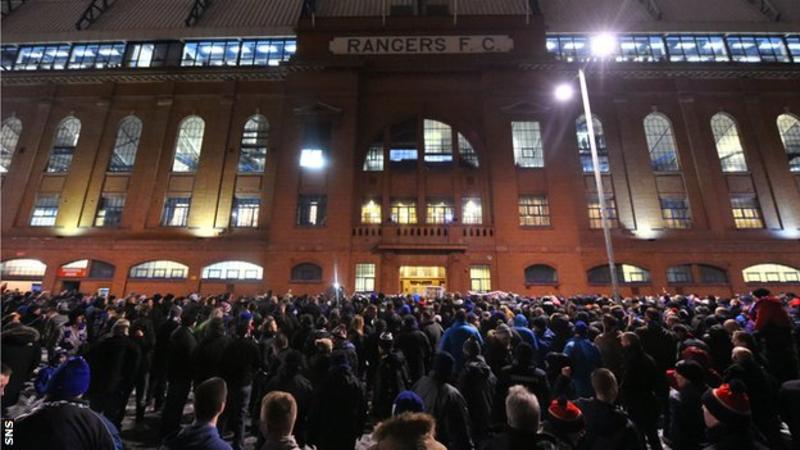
420	45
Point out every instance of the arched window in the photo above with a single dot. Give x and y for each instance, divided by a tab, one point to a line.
253	150
584	149
771	273
22	268
373	162
87	268
626	273
712	274
233	270
540	274
9	137
789	128
661	143
64	142
306	273
124	154
439	139
188	145
681	274
161	269
466	152
729	145
438	142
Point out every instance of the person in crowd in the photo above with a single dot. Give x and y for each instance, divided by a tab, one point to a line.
22	352
522	424
454	337
411	430
685	420
544	338
564	421
46	373
524	372
477	384
5	376
727	416
182	344
75	335
641	388
523	330
391	378
209	402
773	330
610	346
208	355
290	379
585	358
277	419
789	398
158	369
657	341
415	346
64	420
431	327
338	412
143	335
607	425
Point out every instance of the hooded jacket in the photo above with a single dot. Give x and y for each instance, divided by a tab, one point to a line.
477	384
525	333
607	427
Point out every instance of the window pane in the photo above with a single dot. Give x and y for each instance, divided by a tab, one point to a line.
746	211
534	211
365	278
584	149
307	272
439	212
9	137
124	154
176	211
527	138
109	210
480	278
311	210
404	212
253	151
45	210
789	128
712	275
729	146
675	212
64	143
540	274
22	268
593	205
438	142
312	158
661	143
371	213
233	270
373	162
680	274
776	273
471	211
468	155
245	211
189	145
159	269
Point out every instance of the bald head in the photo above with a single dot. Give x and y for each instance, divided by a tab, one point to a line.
740	354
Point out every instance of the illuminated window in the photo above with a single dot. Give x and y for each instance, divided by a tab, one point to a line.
161	269
661	143
593	207
729	146
66	139
527	138
9	137
96	56
404	212
16	268
365	278
45	210
540	274
789	128
233	270
141	55
584	148
373	162
124	153
188	145
176	210
109	210
266	52
312	158
793	43
569	48
253	149
439	212
675	212
746	211
468	155
42	57
480	278
311	210
757	49
438	142
471	211
681	274
534	211
315	145
210	53
641	48
403	150
244	212
371	213
696	48
771	273
306	273
626	273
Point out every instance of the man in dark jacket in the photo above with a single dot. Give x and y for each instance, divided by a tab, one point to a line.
685	430
182	344
22	352
727	415
339	408
432	329
607	426
522	371
290	379
477	384
657	341
415	347
64	421
114	361
643	384
158	371
203	434
144	336
208	354
522	430
391	377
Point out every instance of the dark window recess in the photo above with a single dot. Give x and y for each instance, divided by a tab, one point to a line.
712	275
404	148
311	210
317	136
540	274
307	273
101	270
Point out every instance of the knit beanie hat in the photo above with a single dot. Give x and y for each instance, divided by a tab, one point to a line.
729	403
70	380
691	370
581	329
565	416
407	401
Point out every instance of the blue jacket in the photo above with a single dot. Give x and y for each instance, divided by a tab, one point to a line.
521	327
453	341
545	341
585	358
197	436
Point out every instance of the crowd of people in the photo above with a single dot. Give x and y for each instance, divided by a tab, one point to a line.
336	371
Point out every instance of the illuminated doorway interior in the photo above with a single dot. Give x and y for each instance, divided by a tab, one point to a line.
423	280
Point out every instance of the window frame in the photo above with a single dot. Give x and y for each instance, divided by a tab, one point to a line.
45	215
118	209
167	219
527	155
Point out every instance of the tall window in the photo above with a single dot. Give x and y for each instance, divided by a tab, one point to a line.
471	211
480	278
109	210
45	210
365	278
162	269
188	145
584	148
661	143
404	212
315	145
527	138
307	273
176	211
244	213
771	273
729	146
789	128
439	212
311	210
438	142
253	150
66	139
9	137
371	213
374	159
403	150
746	211
467	153
534	211
124	154
233	270
675	212
593	206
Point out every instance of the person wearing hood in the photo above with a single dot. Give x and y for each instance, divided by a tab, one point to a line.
685	429
607	426
774	334
209	402
446	404
391	377
454	337
339	408
525	333
727	415
415	347
64	421
406	431
477	384
585	358
643	384
657	341
544	338
22	352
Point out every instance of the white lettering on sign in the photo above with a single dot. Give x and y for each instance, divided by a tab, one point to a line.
424	45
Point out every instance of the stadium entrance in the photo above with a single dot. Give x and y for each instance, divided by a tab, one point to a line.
423	280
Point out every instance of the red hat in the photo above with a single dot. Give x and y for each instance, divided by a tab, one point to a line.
729	403
795	302
565	416
696	354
